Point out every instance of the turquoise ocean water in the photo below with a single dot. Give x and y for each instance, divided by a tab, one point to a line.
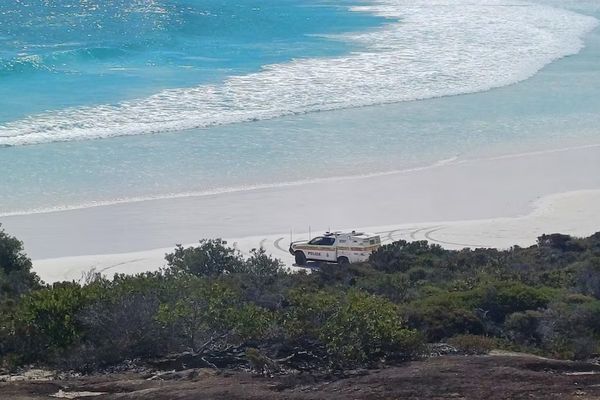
110	100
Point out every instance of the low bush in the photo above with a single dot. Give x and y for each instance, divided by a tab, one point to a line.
523	328
210	298
16	277
366	328
48	319
473	344
210	258
442	315
500	299
203	314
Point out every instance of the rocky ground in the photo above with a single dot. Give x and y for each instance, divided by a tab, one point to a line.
489	377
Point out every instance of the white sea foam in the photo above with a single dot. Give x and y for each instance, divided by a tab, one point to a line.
427	50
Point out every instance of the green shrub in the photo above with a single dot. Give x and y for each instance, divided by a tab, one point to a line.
366	328
204	313
503	298
308	311
540	299
48	316
523	327
400	256
417	274
16	277
394	286
444	314
558	241
122	326
210	258
570	330
261	264
587	279
577	298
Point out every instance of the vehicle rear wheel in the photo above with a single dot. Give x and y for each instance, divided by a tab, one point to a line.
343	260
300	258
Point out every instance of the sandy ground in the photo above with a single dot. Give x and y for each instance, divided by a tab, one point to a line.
494	202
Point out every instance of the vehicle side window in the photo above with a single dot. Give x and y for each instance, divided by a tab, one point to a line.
322	241
328	241
316	240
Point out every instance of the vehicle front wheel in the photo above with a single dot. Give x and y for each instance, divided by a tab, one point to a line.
300	258
343	260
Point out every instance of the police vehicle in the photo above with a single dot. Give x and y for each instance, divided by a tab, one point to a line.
340	247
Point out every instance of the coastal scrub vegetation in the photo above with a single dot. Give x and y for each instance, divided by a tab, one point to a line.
219	308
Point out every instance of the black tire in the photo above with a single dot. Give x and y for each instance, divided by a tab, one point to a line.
343	260
300	258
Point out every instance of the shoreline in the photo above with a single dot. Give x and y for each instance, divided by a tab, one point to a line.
498	199
455	160
557	213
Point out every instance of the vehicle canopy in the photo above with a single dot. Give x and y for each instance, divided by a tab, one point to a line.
350	238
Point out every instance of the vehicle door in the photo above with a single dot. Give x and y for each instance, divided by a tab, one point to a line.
330	248
315	250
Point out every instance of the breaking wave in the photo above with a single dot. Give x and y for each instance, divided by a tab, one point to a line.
426	50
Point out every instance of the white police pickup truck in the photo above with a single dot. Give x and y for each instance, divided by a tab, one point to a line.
340	247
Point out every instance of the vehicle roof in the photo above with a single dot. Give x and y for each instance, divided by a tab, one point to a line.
361	235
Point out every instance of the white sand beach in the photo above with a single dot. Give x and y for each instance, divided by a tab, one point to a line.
494	202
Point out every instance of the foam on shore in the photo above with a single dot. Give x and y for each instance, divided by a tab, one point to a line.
426	51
